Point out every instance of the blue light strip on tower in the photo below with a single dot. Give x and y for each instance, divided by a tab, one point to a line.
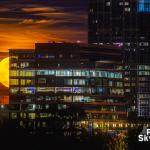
143	6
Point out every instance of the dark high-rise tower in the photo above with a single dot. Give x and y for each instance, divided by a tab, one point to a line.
127	24
118	21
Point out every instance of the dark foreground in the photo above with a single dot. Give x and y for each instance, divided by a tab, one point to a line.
18	139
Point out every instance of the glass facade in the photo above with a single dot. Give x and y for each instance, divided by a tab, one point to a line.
80	73
143	6
126	25
87	89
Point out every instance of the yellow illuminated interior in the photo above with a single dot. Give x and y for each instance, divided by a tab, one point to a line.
4	72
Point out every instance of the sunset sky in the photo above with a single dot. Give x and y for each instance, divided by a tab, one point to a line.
25	22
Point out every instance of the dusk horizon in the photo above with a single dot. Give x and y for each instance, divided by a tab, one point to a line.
23	23
75	74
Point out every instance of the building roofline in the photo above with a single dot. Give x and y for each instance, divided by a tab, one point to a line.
22	50
107	46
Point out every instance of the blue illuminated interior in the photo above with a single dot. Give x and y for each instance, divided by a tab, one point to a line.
143	6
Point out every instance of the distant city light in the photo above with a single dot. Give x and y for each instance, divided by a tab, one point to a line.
143	6
78	41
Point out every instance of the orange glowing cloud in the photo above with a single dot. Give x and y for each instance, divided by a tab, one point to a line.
35	9
21	26
23	37
32	21
28	33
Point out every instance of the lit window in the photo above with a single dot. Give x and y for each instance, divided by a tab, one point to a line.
63	89
13	65
104	74
45	72
27	90
41	80
127	9
24	65
44	115
14	81
14	90
117	91
60	55
107	3
77	90
119	84
92	73
110	83
47	106
91	10
27	73
14	73
14	115
144	73
31	107
68	82
45	89
79	82
46	56
31	115
85	73
23	82
14	57
144	67
126	3
26	81
68	98
61	106
63	73
82	99
77	73
120	3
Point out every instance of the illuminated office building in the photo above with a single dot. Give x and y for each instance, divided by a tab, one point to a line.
126	23
65	81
